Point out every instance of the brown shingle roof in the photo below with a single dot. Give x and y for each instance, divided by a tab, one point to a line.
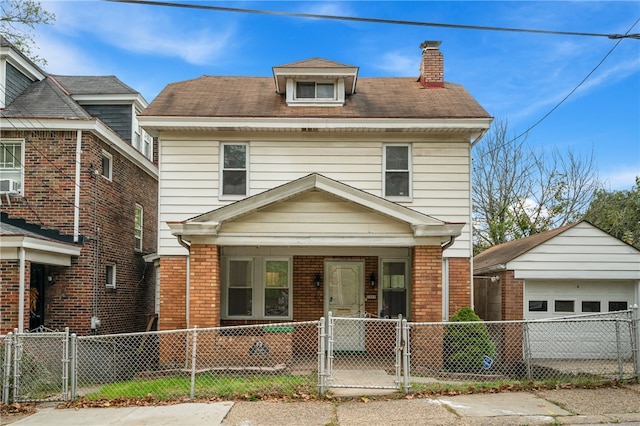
505	252
212	96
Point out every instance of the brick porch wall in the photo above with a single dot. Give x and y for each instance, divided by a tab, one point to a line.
426	284
9	290
173	279
204	293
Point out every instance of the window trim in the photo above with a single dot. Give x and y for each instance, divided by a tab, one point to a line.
109	157
409	171
258	288
138	229
221	195
21	142
111	285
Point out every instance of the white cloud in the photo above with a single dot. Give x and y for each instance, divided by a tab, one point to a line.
144	29
397	64
621	178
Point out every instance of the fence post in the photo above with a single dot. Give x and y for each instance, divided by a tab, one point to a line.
65	365
7	368
329	374
618	348
73	364
527	348
635	325
406	355
193	361
17	357
321	360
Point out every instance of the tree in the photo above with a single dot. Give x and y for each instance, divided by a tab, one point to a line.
18	18
518	192
618	213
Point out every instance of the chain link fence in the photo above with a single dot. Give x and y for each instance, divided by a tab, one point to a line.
594	347
35	366
225	361
314	357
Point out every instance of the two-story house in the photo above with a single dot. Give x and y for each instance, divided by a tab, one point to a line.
78	193
283	198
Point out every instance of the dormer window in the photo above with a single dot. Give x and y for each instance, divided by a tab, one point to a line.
314	90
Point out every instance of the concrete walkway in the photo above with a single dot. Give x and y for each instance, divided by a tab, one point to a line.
620	405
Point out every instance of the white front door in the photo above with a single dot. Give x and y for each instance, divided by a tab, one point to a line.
344	295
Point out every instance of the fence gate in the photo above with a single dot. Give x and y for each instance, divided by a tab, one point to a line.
365	353
40	366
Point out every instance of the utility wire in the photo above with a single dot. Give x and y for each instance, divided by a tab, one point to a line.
372	20
570	92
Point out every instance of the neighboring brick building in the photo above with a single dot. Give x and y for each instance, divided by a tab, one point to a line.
283	198
79	202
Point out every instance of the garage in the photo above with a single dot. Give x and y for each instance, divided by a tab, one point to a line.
574	271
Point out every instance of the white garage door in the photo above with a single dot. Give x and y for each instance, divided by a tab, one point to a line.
556	299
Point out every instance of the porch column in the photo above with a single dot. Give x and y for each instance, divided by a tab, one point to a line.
426	284
204	294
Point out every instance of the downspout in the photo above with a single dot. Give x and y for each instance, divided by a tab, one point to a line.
186	245
76	199
21	291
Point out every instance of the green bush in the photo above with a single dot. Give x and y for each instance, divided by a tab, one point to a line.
465	345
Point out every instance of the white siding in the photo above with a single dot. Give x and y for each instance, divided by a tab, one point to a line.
581	252
189	174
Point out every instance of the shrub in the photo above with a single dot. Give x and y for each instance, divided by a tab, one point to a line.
465	345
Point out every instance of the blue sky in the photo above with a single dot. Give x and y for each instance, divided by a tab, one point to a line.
517	77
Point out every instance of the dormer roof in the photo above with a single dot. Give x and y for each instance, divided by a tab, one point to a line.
316	68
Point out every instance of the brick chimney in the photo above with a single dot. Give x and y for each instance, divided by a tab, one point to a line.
431	67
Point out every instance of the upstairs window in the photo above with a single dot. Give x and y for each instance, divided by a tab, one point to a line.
397	171
137	229
313	90
11	172
234	169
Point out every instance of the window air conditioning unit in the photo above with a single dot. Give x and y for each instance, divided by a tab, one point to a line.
9	186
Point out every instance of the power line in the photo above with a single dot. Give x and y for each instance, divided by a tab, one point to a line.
373	20
571	92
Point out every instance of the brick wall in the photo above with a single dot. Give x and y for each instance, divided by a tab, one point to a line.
173	293
9	290
512	296
106	222
426	280
459	284
204	294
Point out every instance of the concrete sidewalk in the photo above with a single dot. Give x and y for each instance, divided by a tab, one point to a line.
619	405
